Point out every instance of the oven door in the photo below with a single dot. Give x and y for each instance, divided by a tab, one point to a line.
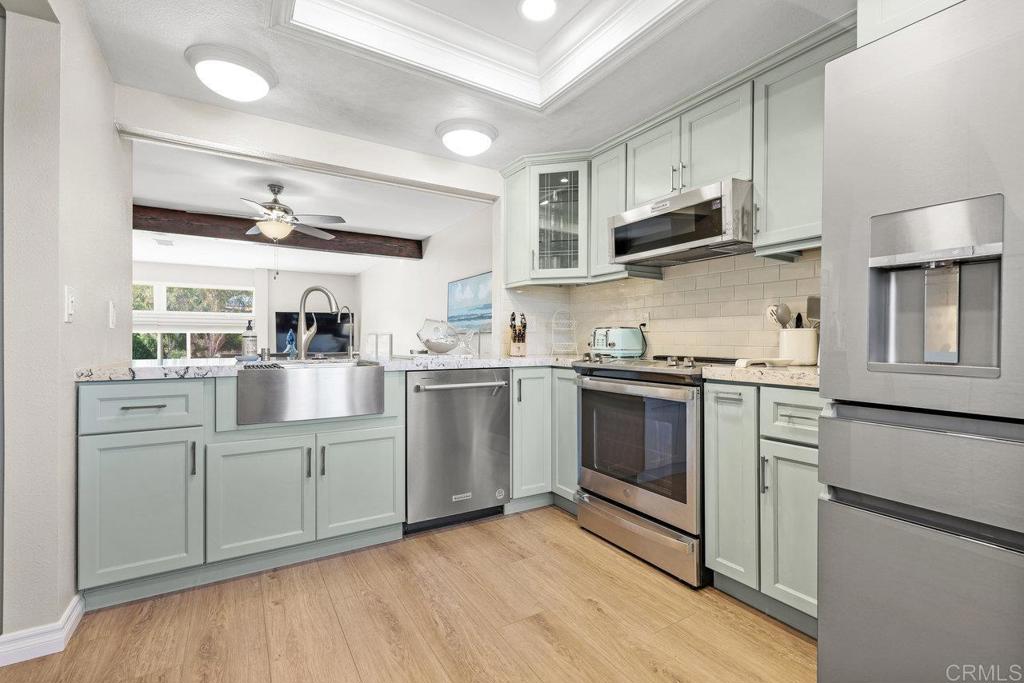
640	446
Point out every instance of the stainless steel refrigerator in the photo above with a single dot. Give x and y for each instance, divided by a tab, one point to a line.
921	538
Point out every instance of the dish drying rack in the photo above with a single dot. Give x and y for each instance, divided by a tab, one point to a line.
563	334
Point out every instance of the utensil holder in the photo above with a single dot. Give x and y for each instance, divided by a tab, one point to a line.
800	345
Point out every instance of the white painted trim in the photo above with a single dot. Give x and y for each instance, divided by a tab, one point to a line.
411	36
40	641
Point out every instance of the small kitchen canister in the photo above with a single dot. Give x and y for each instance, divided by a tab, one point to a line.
799	345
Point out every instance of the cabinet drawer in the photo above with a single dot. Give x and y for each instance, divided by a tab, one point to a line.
790	414
137	406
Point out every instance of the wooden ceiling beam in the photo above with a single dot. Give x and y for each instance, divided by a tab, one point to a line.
153	219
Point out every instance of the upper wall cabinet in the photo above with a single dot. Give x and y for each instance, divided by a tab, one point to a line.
652	164
877	18
558	219
789	108
707	143
517	227
716	138
607	199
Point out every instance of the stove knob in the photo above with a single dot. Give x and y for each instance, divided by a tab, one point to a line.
672	361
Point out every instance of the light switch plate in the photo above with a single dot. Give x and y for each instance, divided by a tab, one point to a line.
70	303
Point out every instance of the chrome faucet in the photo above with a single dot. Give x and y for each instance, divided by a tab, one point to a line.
306	334
354	337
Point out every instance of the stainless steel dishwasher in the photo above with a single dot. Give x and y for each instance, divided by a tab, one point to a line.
458	443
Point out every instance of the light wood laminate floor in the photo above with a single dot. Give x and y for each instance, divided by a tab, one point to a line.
528	597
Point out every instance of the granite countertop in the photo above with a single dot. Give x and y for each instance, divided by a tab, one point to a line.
800	376
228	367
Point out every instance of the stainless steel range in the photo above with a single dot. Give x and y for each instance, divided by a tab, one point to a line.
640	459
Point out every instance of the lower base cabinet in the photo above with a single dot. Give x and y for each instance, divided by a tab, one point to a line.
360	480
761	494
789	524
531	431
260	495
730	481
564	433
140	504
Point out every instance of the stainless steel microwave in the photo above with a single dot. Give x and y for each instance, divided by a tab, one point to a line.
702	223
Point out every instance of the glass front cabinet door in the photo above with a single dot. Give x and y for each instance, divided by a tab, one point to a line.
559	221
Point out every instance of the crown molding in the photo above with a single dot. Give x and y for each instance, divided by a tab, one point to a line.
842	28
415	37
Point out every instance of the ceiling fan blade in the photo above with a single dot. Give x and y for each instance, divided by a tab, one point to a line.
253	231
312	232
319	218
256	205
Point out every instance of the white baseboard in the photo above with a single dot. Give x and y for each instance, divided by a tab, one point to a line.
40	641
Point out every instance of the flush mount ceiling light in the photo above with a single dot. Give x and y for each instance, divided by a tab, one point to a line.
538	10
231	73
467	137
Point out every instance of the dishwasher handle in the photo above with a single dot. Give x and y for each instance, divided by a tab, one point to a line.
456	387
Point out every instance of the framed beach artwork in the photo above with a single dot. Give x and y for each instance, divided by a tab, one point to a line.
469	304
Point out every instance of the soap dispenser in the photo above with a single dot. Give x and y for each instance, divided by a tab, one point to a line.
249	343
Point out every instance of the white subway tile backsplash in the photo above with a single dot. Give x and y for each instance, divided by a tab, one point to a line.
735	277
708	308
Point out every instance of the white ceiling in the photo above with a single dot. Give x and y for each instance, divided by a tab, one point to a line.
190	180
337	87
502	19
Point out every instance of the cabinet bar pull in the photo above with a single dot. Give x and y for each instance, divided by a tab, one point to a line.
728	394
675	169
519	390
323	461
192	447
764	474
309	463
155	406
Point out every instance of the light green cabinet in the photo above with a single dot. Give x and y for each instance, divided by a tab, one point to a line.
531	431
716	138
789	524
652	163
360	480
260	495
730	481
140	504
877	18
789	106
565	436
607	199
559	223
518	240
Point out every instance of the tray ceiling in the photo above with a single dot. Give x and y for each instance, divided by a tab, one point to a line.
489	46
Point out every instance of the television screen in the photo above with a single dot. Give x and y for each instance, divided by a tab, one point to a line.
331	336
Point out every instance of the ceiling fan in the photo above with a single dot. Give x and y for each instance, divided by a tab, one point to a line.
277	220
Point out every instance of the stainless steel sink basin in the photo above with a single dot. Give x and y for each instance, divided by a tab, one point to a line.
286	391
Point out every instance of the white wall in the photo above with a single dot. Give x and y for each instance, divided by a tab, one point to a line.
272	294
62	154
398	295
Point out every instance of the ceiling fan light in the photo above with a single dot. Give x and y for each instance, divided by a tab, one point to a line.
275	230
467	137
231	73
538	10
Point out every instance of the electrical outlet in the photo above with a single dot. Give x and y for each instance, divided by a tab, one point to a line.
111	315
70	303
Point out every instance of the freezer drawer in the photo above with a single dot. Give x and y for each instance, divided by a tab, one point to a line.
901	602
963	474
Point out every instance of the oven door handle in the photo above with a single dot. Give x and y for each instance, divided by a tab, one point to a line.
666	392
